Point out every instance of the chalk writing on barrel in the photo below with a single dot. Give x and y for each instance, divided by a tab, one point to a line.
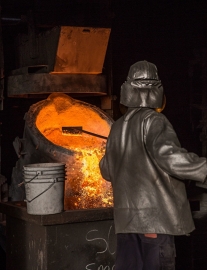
100	267
91	236
100	238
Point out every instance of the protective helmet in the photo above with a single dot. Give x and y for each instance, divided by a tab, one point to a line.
143	87
143	70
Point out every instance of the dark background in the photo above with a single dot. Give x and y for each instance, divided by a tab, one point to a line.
171	34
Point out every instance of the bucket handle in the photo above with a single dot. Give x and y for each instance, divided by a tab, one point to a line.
20	184
54	181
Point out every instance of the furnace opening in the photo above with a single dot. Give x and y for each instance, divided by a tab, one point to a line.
84	187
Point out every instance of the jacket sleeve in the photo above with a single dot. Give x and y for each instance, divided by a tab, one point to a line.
164	148
104	168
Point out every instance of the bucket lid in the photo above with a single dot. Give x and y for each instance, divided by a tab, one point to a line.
44	166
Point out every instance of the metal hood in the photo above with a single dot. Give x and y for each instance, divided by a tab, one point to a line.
65	59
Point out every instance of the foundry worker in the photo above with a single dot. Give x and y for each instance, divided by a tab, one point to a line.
147	168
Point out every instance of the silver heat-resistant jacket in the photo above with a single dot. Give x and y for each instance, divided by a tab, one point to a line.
147	168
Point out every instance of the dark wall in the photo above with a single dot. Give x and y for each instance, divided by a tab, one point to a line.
167	33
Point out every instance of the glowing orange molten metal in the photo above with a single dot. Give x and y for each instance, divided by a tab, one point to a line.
84	186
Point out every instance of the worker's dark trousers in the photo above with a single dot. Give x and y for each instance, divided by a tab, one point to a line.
137	252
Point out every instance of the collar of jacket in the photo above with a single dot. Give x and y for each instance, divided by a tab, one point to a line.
130	113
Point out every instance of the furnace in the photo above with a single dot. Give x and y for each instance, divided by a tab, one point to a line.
57	63
45	141
70	60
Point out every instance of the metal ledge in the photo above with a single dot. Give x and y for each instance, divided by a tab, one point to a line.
19	210
46	83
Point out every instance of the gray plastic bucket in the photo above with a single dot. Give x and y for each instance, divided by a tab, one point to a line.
44	188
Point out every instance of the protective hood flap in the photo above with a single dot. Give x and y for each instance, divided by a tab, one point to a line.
135	94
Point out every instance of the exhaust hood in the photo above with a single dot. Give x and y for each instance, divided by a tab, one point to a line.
65	59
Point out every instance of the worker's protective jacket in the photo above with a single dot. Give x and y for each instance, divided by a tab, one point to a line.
147	168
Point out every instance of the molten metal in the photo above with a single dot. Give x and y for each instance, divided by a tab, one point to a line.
84	187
